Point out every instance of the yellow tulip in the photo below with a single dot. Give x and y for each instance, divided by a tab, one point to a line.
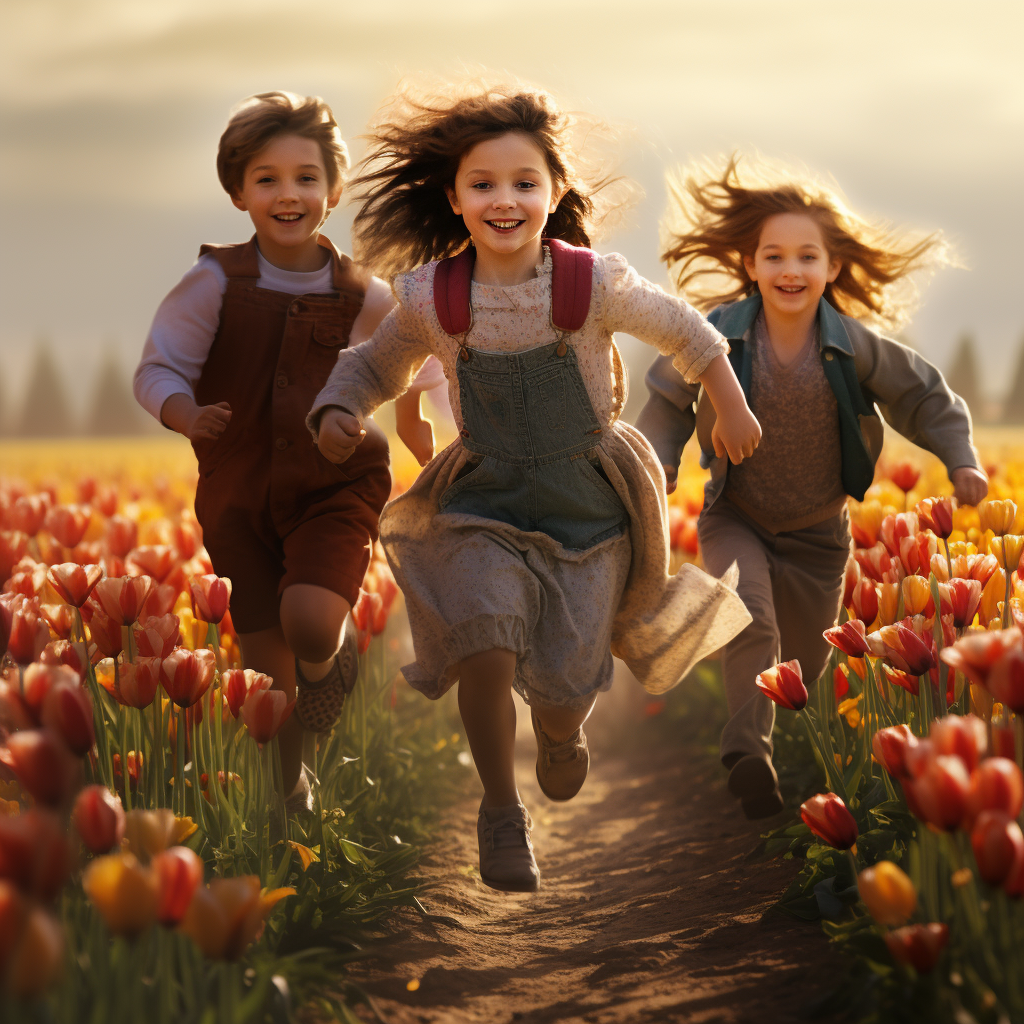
888	893
1007	550
149	832
183	828
992	596
123	891
916	595
888	602
997	516
228	914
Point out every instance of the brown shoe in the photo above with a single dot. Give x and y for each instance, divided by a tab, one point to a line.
561	767
753	781
318	704
506	850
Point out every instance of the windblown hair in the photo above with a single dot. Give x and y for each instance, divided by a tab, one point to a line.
404	217
256	121
716	213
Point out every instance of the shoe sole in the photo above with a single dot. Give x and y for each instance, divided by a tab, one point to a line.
510	886
759	807
751	778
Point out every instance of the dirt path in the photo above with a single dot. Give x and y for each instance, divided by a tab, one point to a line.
652	909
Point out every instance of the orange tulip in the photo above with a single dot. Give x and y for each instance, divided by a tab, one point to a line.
155	560
179	873
918	945
73	582
1006	678
61	618
124	892
896	528
784	683
149	832
917	596
210	595
890	746
38	680
137	682
888	603
160	601
228	914
37	954
106	635
28	633
123	598
35	853
63	652
829	818
122	535
904	475
963	736
996	785
874	562
888	893
156	637
916	552
99	819
977	652
186	675
997	842
29	512
981	567
135	764
964	599
264	712
865	522
851	577
68	523
12	548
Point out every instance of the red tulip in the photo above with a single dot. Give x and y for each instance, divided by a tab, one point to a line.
39	679
964	598
828	817
99	819
210	595
29	633
996	785
864	601
67	710
918	945
939	790
179	873
903	647
45	767
890	747
1013	885
916	552
897	528
874	562
976	653
106	635
388	588
363	638
186	675
136	763
35	854
160	601
936	514
122	599
378	614
74	582
106	500
157	637
851	577
361	612
1006	679
849	637
964	736
188	536
997	842
981	567
904	475
68	523
1003	744
28	513
137	682
63	652
238	683
61	618
784	683
264	712
12	548
155	560
122	535
841	681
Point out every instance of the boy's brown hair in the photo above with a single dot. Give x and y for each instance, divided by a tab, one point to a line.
261	118
716	213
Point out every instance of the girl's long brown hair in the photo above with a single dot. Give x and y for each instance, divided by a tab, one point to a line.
716	213
404	216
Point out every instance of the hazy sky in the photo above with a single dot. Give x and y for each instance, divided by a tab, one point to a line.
111	110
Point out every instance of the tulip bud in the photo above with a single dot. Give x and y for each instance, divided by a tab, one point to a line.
37	954
865	601
264	712
964	736
905	648
157	637
122	535
997	516
1006	678
34	853
186	675
904	475
68	523
940	791
890	746
106	635
238	683
123	598
179	873
964	599
228	914
936	514
28	634
784	684
148	832
210	595
157	561
28	513
874	562
123	891
918	945
137	682
888	893
45	767
74	583
99	818
67	710
997	842
828	817
888	603
841	680
849	637
38	680
1003	744
13	544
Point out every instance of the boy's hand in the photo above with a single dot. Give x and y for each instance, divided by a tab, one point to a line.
210	422
671	476
418	437
736	434
970	485
339	434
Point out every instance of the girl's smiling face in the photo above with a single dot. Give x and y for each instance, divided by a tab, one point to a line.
791	264
504	192
286	194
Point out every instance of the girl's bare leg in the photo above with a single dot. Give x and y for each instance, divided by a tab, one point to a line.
485	703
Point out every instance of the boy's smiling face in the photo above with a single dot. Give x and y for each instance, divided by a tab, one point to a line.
286	194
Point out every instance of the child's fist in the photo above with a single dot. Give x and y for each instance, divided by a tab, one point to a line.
211	421
418	437
736	434
339	434
970	485
671	475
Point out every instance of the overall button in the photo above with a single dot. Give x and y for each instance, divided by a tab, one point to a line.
282	381
281	443
295	308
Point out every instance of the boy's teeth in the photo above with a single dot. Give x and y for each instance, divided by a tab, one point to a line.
288	216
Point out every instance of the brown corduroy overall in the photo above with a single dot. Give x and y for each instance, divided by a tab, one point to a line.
274	511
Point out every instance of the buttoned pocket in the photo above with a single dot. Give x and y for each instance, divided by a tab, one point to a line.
329	335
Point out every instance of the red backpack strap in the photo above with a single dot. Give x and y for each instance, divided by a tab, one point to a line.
452	281
572	279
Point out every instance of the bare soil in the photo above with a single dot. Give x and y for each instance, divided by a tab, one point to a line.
655	906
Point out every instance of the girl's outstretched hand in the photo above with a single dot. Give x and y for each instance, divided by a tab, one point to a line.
339	434
970	485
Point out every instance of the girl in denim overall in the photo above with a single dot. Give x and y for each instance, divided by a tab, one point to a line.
535	545
803	273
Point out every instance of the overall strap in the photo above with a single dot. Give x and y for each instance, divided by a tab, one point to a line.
236	259
571	285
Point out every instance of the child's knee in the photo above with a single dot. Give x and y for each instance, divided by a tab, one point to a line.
312	622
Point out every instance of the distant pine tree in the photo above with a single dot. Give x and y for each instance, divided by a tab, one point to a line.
963	376
114	411
44	409
1013	410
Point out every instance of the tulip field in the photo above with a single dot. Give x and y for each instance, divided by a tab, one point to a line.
150	869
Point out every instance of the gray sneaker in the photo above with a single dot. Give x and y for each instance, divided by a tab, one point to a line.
506	852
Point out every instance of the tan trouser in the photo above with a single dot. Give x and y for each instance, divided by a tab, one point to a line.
792	585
